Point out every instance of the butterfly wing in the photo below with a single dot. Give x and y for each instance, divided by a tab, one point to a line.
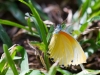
79	55
60	49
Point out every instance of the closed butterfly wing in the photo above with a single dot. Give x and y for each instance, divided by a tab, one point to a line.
79	55
60	49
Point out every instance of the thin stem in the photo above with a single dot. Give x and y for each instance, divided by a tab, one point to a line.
82	67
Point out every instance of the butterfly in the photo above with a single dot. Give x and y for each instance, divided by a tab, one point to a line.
65	49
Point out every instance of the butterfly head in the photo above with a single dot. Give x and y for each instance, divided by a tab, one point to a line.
58	28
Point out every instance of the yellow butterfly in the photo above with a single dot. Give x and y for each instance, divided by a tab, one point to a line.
65	49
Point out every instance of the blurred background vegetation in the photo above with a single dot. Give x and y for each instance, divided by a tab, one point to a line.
80	18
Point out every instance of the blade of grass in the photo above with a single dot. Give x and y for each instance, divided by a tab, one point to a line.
10	23
29	25
40	11
94	14
41	26
4	37
84	26
84	7
50	33
12	7
42	29
64	72
24	61
43	32
9	59
53	69
3	62
96	5
35	72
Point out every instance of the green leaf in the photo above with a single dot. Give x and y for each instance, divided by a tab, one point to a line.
39	10
10	23
94	18
98	39
36	25
25	72
24	61
3	66
39	45
29	25
35	72
4	37
64	72
9	59
12	7
9	72
84	26
50	33
96	13
53	69
88	72
3	62
42	29
96	5
93	47
41	26
84	7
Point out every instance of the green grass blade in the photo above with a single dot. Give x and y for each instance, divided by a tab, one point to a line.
29	25
53	69
96	5
10	23
50	33
12	7
42	29
84	7
64	72
43	32
94	14
39	10
3	62
24	61
41	26
4	37
35	72
9	72
9	59
84	26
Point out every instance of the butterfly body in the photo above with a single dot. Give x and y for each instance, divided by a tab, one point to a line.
65	49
